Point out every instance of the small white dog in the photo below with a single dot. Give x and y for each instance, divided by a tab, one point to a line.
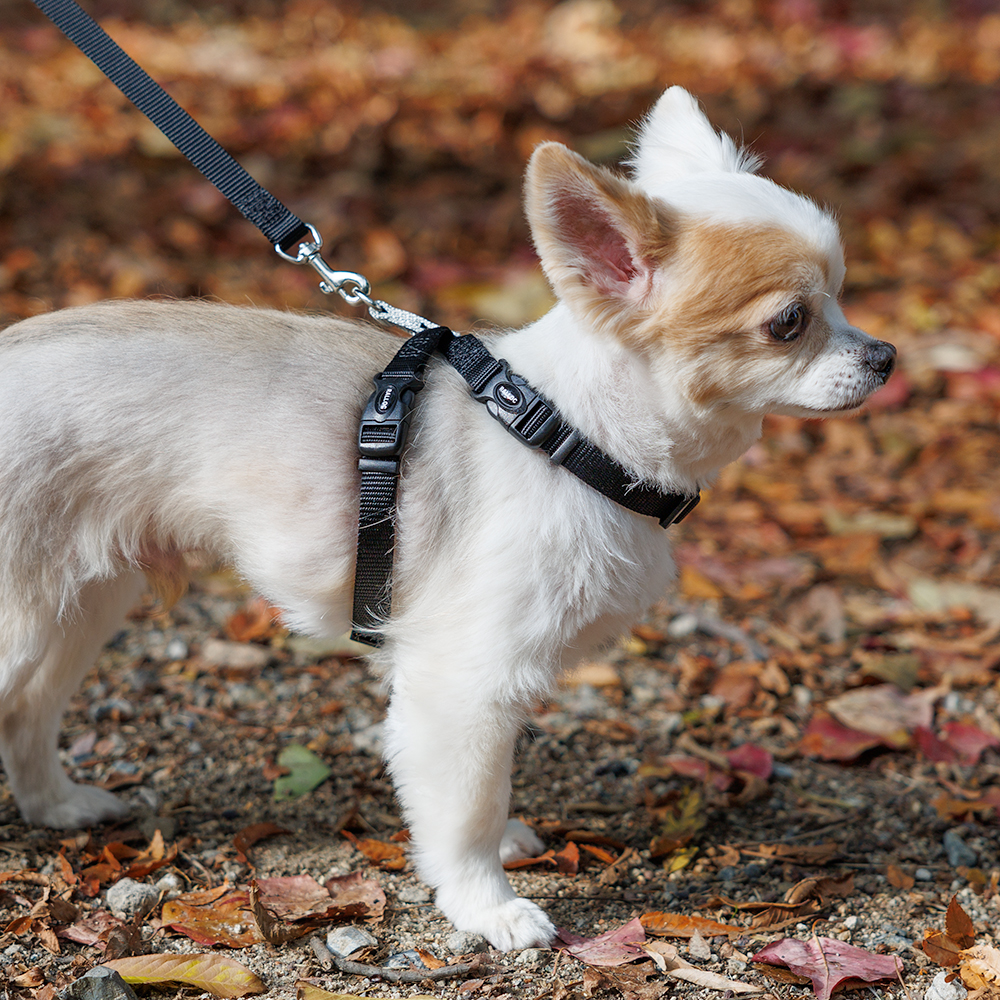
694	298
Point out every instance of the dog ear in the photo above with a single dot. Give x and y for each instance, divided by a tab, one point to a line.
600	239
677	140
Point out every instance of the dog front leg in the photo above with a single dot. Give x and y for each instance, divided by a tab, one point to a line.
450	755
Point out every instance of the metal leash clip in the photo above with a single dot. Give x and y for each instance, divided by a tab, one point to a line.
352	287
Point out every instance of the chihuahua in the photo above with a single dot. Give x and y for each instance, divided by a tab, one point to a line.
694	297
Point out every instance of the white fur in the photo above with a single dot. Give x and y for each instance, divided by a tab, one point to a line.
130	429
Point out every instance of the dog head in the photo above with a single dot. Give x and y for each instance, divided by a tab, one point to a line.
726	282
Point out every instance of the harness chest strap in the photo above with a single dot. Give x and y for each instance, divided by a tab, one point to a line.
509	399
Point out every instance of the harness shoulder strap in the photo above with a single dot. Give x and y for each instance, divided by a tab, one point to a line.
381	439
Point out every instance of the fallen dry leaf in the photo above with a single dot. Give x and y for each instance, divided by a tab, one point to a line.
828	963
980	968
225	919
616	947
669	962
945	947
680	925
391	857
215	974
250	835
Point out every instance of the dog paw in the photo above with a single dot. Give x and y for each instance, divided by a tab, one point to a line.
79	806
517	924
509	926
519	841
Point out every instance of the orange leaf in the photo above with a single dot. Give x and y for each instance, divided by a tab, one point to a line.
390	857
898	877
226	921
602	855
682	926
249	835
257	619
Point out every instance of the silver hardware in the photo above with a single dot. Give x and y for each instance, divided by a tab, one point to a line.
352	287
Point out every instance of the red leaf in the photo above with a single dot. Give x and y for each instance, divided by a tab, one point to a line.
828	963
827	739
752	759
968	741
613	948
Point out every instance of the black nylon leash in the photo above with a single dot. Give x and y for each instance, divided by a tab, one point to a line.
281	226
508	398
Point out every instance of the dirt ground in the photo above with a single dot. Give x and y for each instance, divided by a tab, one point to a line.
190	745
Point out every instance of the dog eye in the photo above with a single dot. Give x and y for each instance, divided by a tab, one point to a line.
790	323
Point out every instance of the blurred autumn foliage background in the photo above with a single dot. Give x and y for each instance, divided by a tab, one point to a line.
401	131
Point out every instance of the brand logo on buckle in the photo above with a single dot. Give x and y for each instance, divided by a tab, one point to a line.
384	402
507	395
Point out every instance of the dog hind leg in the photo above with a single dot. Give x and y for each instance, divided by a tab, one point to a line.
36	694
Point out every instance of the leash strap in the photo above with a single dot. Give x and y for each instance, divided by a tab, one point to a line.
281	226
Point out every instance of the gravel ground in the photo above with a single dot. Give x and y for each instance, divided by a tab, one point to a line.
192	748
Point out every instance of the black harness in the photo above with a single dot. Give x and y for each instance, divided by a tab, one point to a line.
508	398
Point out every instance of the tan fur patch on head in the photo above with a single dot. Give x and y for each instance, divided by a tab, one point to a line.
725	283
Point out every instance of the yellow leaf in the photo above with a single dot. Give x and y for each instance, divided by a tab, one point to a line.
694	583
307	991
220	976
980	967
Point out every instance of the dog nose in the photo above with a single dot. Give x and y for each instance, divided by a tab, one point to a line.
881	358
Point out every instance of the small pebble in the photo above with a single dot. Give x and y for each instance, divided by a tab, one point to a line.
531	957
851	922
923	875
177	649
100	983
404	960
413	894
941	989
103	709
170	885
235	655
465	943
344	941
728	874
958	851
683	625
126	898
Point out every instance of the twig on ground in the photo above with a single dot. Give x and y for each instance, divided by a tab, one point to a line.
412	975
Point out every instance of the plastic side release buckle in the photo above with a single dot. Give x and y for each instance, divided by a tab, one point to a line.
385	423
527	414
